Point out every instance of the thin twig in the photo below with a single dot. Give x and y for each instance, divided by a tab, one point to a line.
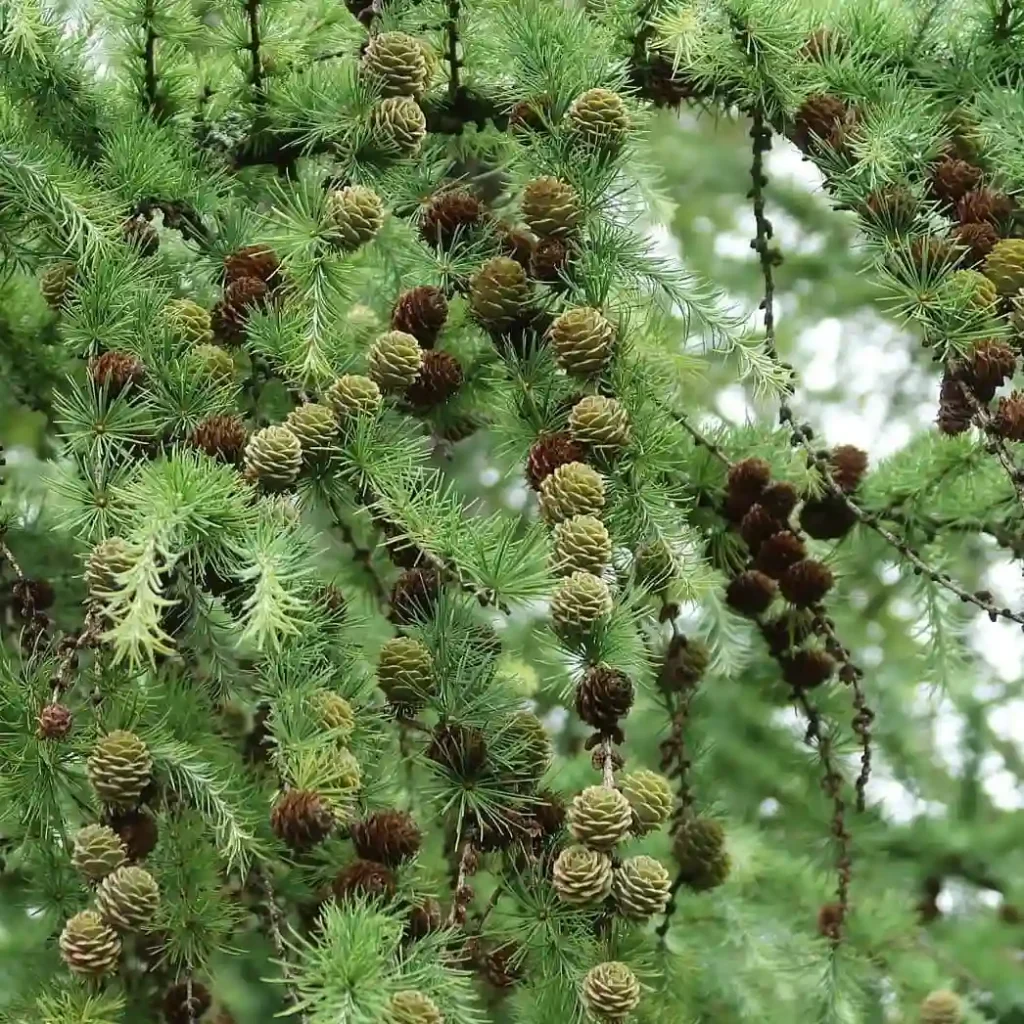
252	10
274	921
463	893
149	97
452	51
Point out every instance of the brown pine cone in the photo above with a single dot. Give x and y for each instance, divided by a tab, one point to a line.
892	208
990	365
439	378
1008	420
301	819
985	205
778	553
533	115
779	499
830	920
138	233
685	663
750	593
746	481
849	464
423	919
231	314
364	878
502	966
221	437
955	412
827	518
449	215
137	830
979	238
817	121
952	179
929	254
421	312
548	453
548	259
516	242
414	595
460	749
54	722
603	696
786	631
257	261
804	670
757	526
176	1002
549	812
388	837
805	583
116	371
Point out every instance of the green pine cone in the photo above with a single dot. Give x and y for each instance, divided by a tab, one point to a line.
399	124
610	991
699	848
406	672
396	63
412	1007
581	876
346	773
532	750
356	214
600	422
394	361
975	287
551	207
655	565
641	888
600	817
582	544
119	769
316	427
580	602
599	118
651	797
89	946
105	563
128	899
189	320
1004	265
582	339
573	489
214	362
500	294
56	282
942	1007
273	458
336	714
97	852
352	396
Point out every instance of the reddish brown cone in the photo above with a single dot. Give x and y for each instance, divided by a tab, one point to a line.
750	593
779	499
300	819
388	837
952	179
116	371
955	411
548	453
221	437
806	583
364	878
817	121
603	696
256	261
421	312
1008	420
439	378
744	484
185	1003
778	553
54	722
138	831
548	259
449	215
827	518
991	364
804	670
458	748
757	526
984	205
979	238
231	314
414	595
849	464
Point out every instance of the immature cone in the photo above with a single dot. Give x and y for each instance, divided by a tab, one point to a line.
651	797
257	261
573	489
119	768
532	750
394	361
582	544
547	259
779	499
389	837
440	377
414	595
599	118
301	819
424	918
603	696
399	123
805	583
461	749
316	427
849	464
189	320
336	714
641	888
779	552
221	437
396	64
550	207
745	483
818	120
991	364
975	287
128	899
97	852
599	422
105	563
356	214
600	817
582	340
449	215
364	878
580	602
347	772
89	946
352	396
116	371
273	457
984	206
893	208
547	454
757	526
185	1003
952	179
942	1007
1004	266
137	830
1008	420
750	593
231	314
214	362
421	312
406	672
610	991
412	1007
500	294
978	239
581	876
54	722
699	848
56	281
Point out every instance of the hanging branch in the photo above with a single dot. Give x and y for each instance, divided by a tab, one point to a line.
149	96
452	50
252	10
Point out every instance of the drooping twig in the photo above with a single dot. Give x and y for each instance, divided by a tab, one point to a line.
463	894
274	922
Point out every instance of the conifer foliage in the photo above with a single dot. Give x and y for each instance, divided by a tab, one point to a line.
276	703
